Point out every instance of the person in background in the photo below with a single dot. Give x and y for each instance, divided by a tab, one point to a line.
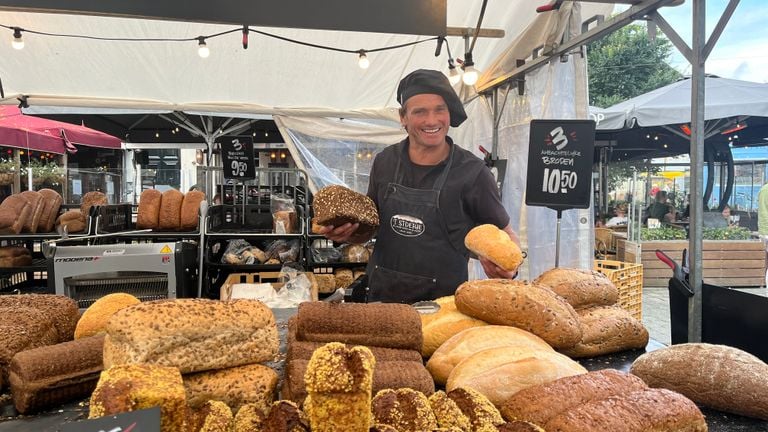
727	215
660	209
620	217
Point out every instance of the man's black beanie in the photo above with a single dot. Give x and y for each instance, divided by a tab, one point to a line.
424	81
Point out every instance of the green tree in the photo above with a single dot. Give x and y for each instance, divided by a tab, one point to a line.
626	63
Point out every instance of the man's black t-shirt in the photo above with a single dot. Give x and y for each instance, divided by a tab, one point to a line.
469	198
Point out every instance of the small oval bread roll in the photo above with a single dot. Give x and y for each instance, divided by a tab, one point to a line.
440	326
489	242
95	318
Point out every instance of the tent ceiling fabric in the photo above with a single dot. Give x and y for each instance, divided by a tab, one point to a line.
271	76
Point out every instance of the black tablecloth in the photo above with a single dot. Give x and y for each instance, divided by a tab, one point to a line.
52	420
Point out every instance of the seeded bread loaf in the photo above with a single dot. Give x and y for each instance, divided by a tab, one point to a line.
148	213
61	310
404	409
580	288
717	376
212	416
447	413
605	330
489	242
35	201
51	205
192	334
337	205
22	328
478	409
236	386
531	307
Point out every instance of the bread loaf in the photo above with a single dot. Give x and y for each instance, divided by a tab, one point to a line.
94	198
499	373
190	210
298	350
337	205
213	416
440	326
541	403
72	221
183	333
605	330
251	418
15	256
14	211
388	325
339	383
489	242
718	376
580	288
169	217
527	306
478	409
35	201
343	277
61	310
51	204
404	409
447	413
236	386
22	328
50	375
133	387
284	222
284	416
326	283
640	411
519	426
473	340
148	213
94	319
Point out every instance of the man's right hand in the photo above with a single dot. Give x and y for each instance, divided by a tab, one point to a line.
339	234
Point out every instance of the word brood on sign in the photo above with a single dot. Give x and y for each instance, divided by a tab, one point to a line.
560	163
238	159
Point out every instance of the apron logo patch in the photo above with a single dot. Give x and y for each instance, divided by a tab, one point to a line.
407	226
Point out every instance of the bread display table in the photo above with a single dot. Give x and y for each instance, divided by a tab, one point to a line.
51	420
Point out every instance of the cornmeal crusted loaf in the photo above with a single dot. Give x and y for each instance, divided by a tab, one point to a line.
447	413
236	386
530	307
540	403
639	411
440	326
61	310
580	288
192	334
250	418
50	375
213	416
479	410
148	213
404	409
717	376
336	205
285	416
490	242
339	380
94	319
605	330
137	386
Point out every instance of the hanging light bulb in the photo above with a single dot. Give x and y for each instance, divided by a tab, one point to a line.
18	42
266	134
177	129
362	60
254	133
470	73
453	73
202	48
282	155
157	134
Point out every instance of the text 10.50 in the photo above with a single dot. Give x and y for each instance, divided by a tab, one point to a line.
556	181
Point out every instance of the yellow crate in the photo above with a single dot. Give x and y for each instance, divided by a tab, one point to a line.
628	278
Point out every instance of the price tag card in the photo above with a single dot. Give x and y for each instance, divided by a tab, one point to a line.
238	159
560	157
146	420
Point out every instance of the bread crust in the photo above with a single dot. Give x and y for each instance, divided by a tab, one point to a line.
490	242
605	330
580	288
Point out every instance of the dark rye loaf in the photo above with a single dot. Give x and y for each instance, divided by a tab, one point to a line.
337	205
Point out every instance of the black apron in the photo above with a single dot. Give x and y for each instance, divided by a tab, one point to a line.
414	258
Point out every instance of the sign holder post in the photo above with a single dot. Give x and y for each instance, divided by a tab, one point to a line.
560	157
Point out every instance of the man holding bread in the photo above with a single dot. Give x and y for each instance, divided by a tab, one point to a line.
429	194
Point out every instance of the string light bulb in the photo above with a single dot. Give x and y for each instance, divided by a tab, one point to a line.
202	48
470	73
453	73
362	60
18	42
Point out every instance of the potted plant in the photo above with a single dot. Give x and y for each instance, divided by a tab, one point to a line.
8	169
44	173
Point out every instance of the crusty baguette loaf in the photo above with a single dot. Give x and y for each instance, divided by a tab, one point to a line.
51	204
519	304
717	376
540	403
473	340
440	326
192	334
94	319
489	242
190	210
148	213
605	330
236	386
649	410
580	288
336	205
35	201
499	373
169	218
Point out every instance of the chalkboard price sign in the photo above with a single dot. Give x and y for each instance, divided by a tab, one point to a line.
238	159
560	163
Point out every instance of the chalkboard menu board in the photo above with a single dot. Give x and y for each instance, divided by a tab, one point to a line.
560	163
238	159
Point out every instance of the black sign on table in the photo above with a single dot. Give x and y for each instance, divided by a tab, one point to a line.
238	159
560	163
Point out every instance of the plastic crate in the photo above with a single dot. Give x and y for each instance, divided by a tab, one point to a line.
628	278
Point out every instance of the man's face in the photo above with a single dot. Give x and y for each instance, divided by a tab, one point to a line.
426	120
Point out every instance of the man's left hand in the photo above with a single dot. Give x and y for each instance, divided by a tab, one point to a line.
495	272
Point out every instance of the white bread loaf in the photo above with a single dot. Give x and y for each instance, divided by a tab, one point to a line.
580	288
531	307
473	340
718	376
490	242
499	373
192	334
607	330
440	326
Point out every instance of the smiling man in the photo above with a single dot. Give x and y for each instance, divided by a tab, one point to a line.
429	194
